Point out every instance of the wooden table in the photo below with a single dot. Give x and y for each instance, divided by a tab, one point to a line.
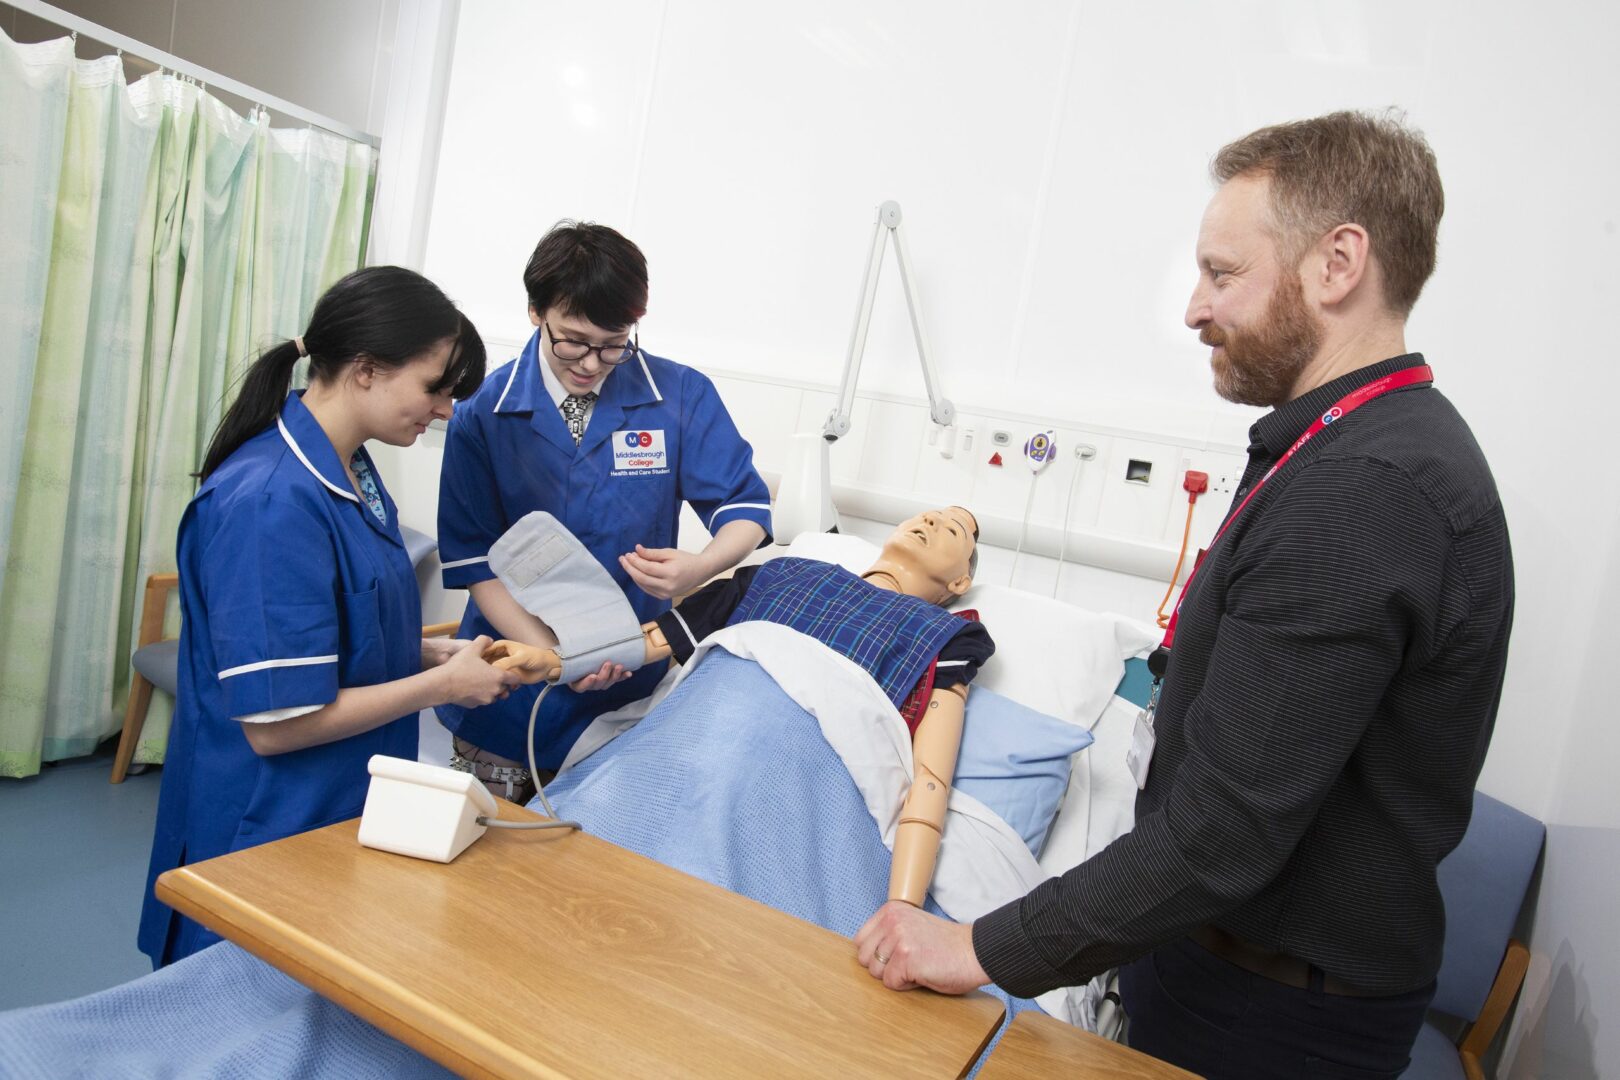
558	954
1038	1046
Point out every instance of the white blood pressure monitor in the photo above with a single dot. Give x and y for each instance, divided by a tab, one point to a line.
423	811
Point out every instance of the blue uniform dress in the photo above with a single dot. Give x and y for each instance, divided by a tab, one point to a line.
658	436
290	589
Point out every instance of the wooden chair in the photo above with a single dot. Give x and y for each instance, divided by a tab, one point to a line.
1484	882
156	661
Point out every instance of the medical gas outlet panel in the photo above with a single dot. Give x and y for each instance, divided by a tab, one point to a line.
1119	497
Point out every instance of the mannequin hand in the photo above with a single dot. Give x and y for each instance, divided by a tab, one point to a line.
665	572
469	681
436	650
921	950
609	675
530	664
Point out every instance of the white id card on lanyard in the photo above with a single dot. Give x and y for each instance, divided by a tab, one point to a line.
1139	758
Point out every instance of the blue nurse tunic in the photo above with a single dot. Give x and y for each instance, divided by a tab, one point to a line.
290	589
658	436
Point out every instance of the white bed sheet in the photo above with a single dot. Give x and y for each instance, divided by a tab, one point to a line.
1100	803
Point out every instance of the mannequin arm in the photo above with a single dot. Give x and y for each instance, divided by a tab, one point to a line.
922	818
657	648
535	664
530	663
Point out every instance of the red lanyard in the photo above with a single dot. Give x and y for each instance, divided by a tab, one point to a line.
1345	406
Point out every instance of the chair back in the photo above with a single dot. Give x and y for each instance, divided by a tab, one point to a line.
1483	882
417	545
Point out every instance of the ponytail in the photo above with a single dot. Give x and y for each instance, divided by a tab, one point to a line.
385	314
264	390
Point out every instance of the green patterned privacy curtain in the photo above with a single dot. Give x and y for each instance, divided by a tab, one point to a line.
151	241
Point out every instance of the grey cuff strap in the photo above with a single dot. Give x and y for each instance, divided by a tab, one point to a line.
552	575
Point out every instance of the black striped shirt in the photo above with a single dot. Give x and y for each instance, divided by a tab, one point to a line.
1325	713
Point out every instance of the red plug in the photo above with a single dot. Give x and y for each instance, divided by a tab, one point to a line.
1195	483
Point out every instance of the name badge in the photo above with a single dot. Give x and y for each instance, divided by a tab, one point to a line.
1140	756
639	452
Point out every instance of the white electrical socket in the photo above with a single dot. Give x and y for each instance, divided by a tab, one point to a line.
1223	470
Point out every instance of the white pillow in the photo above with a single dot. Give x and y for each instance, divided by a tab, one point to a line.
850	552
1053	657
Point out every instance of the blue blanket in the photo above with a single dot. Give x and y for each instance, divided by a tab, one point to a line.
221	1012
730	781
727	779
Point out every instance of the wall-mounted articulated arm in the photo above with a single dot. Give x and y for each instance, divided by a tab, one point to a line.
940	409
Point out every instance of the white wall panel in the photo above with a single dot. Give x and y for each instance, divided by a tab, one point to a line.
544	120
775	131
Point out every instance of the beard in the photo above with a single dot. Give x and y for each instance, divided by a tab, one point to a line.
1261	365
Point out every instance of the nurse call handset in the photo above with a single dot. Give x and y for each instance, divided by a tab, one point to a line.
1039	450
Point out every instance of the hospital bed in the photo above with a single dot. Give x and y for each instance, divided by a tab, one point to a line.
1053	661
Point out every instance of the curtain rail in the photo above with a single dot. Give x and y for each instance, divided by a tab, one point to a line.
69	21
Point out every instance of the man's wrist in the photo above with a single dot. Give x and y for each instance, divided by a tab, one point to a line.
1009	958
981	977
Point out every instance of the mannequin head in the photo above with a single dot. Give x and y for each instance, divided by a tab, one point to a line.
932	556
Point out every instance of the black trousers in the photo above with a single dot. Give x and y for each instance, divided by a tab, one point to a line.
1195	1010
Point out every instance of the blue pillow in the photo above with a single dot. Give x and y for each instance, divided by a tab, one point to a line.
1016	761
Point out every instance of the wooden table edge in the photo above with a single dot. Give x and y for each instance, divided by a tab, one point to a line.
1031	1030
171	888
180	889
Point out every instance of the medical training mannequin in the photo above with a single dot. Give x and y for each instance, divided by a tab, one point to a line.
931	557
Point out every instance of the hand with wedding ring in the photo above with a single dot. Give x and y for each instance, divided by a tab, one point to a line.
907	947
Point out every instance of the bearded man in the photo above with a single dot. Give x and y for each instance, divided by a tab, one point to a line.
1327	691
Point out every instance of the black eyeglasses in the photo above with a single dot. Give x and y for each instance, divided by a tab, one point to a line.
572	352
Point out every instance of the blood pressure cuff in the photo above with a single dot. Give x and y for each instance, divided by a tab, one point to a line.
551	574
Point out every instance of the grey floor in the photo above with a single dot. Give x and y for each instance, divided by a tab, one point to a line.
73	852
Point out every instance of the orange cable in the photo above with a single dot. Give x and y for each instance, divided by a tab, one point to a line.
1164	620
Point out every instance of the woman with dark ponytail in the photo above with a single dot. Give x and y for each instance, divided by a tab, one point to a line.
301	649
